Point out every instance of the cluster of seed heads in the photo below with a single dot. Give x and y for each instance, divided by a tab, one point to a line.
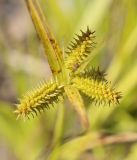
91	82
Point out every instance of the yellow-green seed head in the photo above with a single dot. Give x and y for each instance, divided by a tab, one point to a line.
79	50
99	91
40	98
93	73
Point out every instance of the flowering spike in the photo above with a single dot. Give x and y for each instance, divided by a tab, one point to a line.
99	91
93	73
79	51
42	97
91	82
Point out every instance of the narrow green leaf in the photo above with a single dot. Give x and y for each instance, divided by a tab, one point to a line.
123	55
74	148
52	49
59	125
98	10
77	101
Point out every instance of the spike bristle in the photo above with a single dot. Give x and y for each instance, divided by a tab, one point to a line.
40	98
93	73
99	91
79	50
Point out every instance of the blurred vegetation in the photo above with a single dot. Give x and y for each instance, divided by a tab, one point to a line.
22	64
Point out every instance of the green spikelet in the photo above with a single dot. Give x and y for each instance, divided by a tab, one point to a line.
93	73
79	50
42	97
99	91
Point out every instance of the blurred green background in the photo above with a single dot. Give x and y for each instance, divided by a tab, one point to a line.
23	64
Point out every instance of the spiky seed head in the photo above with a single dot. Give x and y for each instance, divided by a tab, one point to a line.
79	50
93	73
38	99
99	91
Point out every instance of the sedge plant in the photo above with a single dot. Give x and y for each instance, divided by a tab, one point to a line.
69	77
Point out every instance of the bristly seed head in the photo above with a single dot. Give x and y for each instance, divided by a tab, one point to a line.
99	91
93	73
37	100
79	50
91	82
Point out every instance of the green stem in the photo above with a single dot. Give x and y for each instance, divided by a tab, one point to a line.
52	49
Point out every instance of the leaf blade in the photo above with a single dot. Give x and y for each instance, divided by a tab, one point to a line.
52	49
